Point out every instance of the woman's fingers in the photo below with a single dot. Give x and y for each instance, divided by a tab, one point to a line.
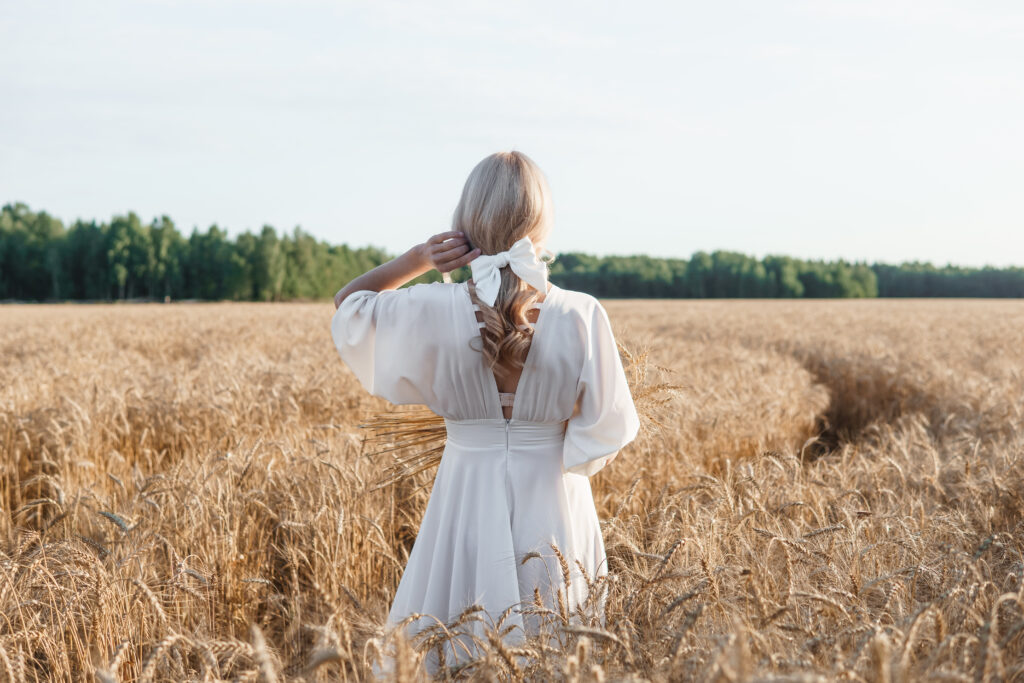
442	236
452	249
461	261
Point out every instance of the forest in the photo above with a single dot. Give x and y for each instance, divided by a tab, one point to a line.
41	259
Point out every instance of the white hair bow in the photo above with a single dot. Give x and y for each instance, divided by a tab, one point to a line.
523	261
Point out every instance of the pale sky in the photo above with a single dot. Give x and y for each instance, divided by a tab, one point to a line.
865	129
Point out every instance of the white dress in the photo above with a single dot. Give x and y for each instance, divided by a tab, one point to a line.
505	488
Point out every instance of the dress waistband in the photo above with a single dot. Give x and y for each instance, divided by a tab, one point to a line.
492	432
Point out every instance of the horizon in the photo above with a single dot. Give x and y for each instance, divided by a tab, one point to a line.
233	234
877	132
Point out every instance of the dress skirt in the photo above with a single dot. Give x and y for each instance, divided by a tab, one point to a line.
500	504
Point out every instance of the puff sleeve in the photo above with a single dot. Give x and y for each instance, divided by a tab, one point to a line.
605	418
384	338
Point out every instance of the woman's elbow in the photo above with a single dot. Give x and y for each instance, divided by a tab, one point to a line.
340	296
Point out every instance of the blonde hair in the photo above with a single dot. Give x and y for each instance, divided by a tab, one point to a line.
505	198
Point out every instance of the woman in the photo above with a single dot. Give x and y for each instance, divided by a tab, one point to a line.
529	381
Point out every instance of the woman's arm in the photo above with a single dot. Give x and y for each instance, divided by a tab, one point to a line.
445	251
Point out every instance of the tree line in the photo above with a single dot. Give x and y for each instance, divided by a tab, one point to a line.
129	259
41	259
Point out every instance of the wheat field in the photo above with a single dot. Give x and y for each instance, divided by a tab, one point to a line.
830	490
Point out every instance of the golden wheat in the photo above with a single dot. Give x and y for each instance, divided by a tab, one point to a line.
833	490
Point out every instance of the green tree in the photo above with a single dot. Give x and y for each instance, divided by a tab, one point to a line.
130	255
166	273
86	261
268	271
30	251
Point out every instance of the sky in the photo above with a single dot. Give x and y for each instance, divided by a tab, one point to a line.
878	130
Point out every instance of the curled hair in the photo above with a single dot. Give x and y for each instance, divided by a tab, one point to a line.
505	198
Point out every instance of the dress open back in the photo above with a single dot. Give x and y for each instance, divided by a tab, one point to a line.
506	489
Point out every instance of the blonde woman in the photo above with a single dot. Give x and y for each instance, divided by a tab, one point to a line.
535	400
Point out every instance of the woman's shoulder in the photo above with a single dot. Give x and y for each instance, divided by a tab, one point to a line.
571	300
575	307
425	292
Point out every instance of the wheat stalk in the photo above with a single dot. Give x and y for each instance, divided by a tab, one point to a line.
227	457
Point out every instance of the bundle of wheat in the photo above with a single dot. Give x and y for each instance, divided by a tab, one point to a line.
415	437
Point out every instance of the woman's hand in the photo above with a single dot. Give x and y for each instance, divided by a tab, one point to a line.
447	251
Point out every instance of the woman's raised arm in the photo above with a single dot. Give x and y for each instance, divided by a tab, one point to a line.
445	251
